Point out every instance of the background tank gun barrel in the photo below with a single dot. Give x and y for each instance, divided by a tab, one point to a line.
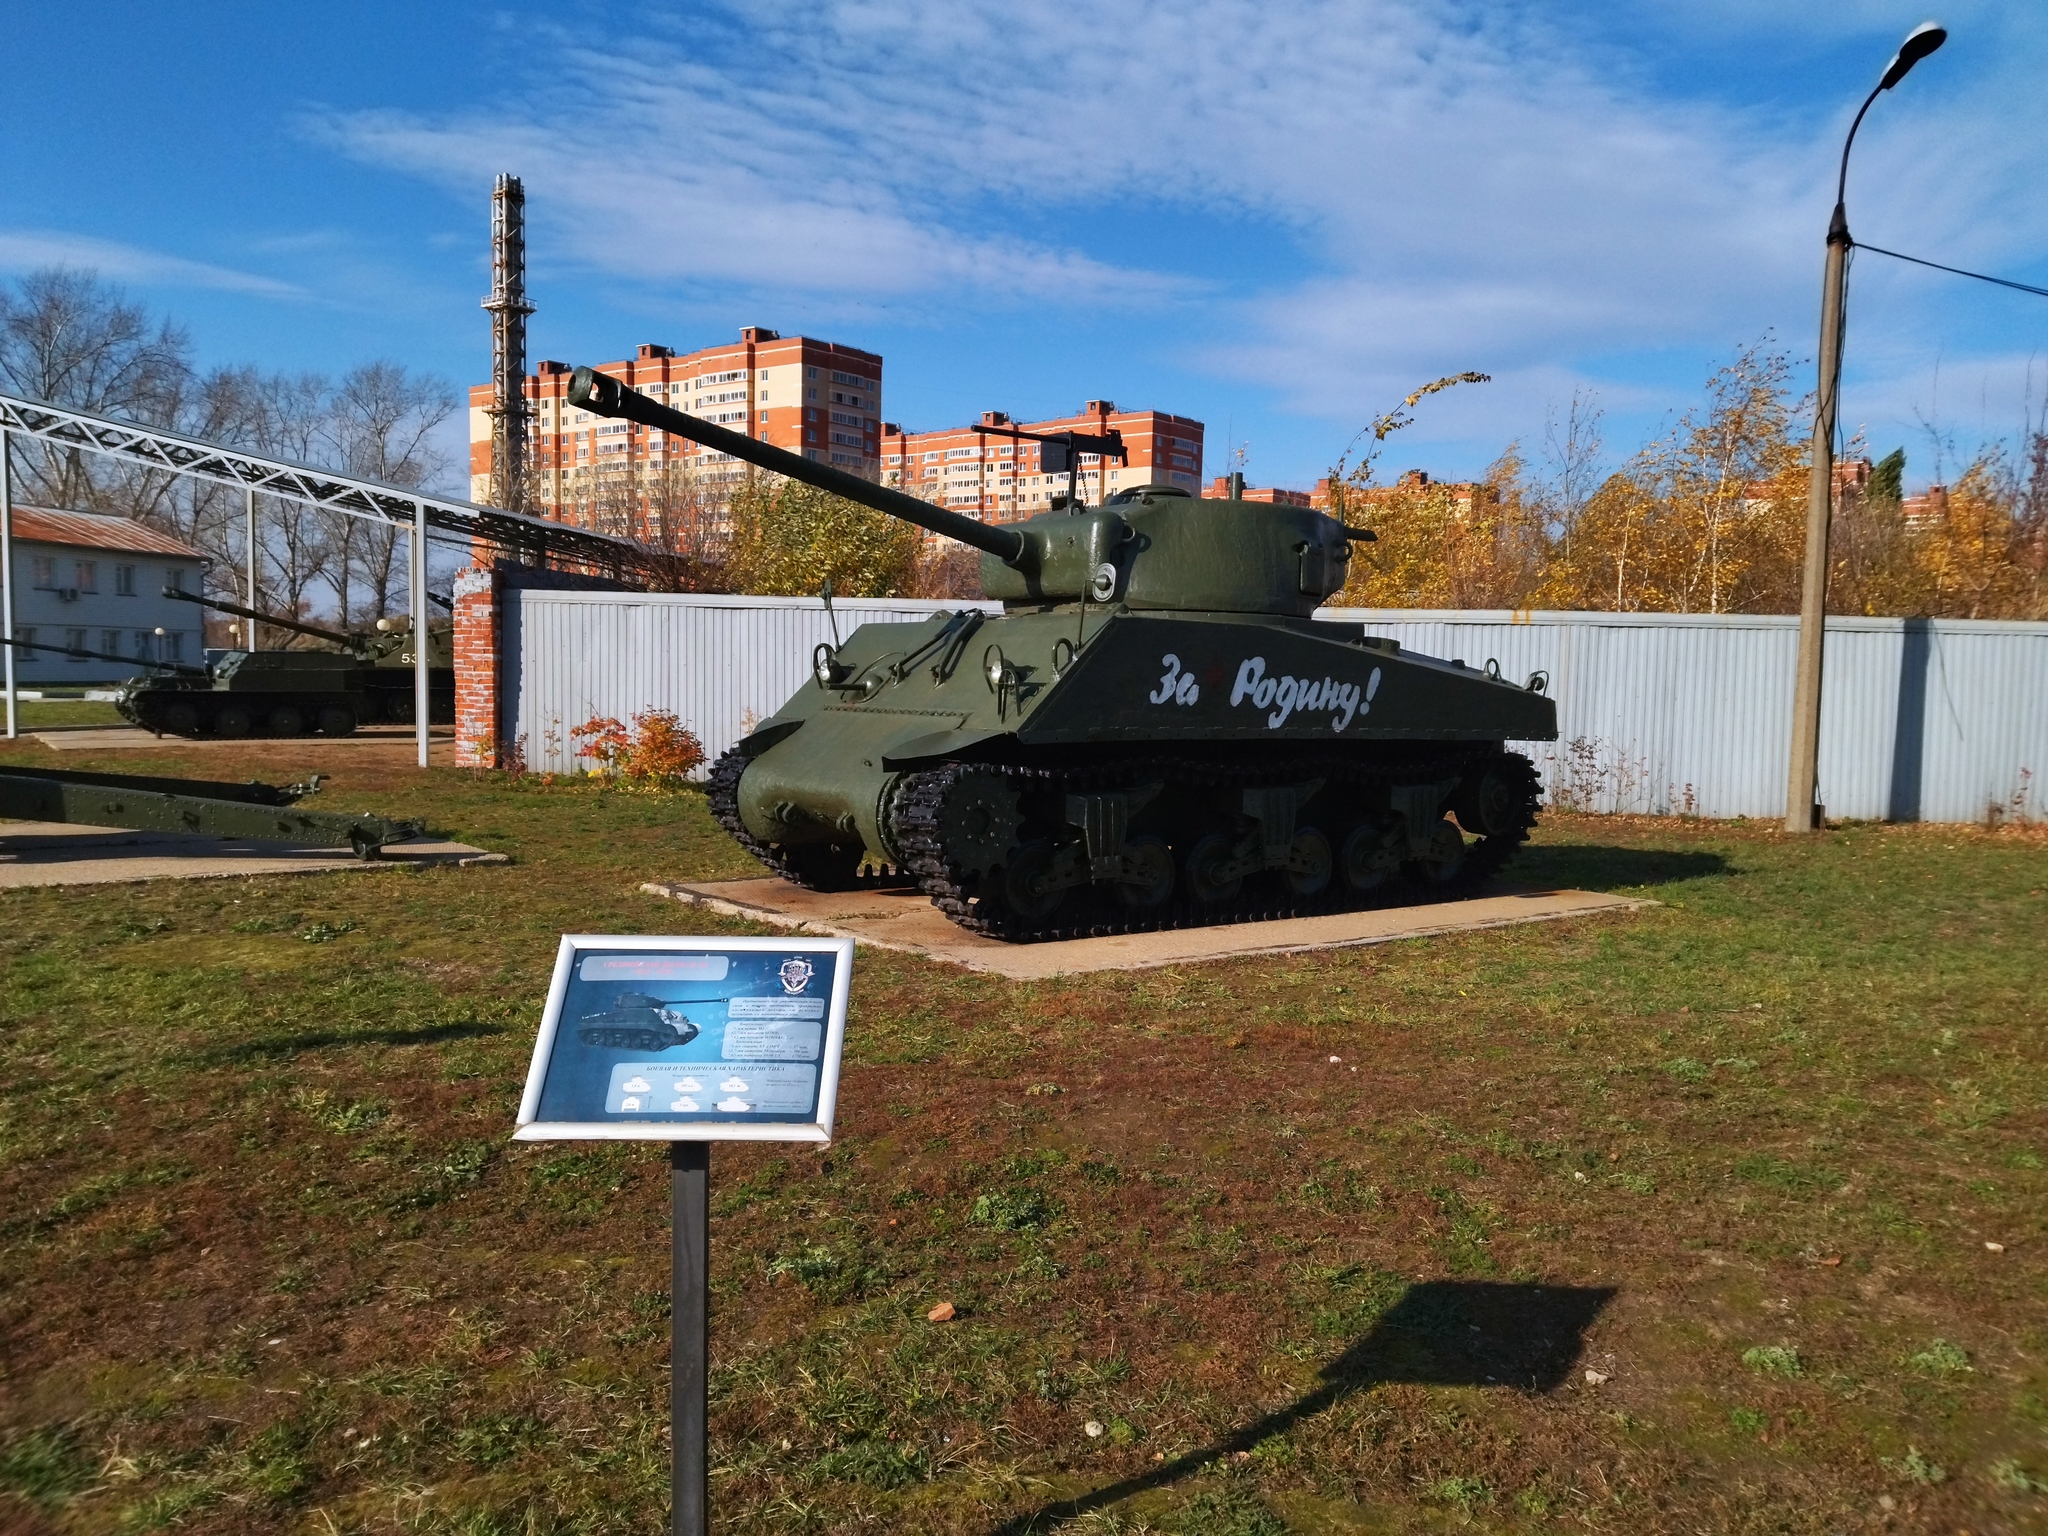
127	661
603	395
353	642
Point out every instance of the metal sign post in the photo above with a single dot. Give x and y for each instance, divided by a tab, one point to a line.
421	692
689	1334
7	575
689	1041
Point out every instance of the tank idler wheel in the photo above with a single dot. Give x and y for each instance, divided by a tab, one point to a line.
1309	862
1204	859
1148	874
1027	883
1489	802
287	720
232	721
181	720
1371	853
1443	861
337	720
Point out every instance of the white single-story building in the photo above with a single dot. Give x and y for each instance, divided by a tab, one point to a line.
84	581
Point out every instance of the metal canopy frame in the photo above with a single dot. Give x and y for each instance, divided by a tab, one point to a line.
255	473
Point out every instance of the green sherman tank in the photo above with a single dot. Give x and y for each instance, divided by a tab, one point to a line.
1155	732
291	693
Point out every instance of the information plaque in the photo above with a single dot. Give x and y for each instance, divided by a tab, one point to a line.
689	1039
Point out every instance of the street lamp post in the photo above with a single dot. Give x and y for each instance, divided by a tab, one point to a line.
1802	781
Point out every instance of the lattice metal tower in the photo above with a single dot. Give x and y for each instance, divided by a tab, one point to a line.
508	308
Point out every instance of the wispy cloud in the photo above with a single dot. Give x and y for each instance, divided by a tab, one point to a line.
1439	185
22	250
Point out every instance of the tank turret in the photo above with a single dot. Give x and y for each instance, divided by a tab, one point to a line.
1155	732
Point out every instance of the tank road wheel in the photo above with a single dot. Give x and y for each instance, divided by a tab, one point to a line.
1205	856
233	720
1025	889
287	720
1309	863
1151	862
1371	853
337	720
181	719
1443	861
398	708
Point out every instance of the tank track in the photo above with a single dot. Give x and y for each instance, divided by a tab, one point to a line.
922	795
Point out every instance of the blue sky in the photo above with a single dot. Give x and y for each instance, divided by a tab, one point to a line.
1276	218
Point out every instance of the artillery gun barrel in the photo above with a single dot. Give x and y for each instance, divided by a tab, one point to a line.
603	395
353	642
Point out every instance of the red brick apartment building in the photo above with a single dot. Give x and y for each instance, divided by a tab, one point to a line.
976	469
816	398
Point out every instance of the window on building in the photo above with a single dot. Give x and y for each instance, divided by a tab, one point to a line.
88	572
145	650
110	641
74	644
26	634
174	578
45	571
172	646
124	581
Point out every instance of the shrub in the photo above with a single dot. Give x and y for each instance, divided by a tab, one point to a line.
657	751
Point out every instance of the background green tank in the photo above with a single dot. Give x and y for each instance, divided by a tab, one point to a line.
1155	731
293	693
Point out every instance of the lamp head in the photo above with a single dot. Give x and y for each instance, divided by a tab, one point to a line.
1919	43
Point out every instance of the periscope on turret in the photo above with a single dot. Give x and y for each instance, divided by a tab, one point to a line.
1155	732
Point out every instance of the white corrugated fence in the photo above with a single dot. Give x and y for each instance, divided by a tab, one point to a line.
1923	719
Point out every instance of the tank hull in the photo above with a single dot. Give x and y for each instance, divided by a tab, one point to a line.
284	693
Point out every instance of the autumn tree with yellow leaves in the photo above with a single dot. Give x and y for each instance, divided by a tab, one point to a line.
1709	518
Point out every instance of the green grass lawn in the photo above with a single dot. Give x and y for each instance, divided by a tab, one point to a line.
1679	1220
41	714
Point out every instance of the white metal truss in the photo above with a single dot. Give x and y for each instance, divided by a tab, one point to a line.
527	537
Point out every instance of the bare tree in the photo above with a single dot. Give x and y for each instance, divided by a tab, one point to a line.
1572	454
69	338
380	424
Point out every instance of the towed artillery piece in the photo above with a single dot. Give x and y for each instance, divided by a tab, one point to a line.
290	693
1155	732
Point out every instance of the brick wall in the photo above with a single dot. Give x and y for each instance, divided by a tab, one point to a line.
478	741
483	728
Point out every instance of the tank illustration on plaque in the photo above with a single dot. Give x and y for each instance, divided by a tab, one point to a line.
637	1022
1155	732
295	693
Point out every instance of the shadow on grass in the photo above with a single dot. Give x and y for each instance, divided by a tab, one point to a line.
1443	1333
291	1045
1593	866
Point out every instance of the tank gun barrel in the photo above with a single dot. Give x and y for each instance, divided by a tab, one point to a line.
604	395
353	642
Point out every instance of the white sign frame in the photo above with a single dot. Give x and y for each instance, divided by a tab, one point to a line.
574	945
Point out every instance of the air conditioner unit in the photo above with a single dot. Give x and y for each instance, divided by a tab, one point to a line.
67	594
